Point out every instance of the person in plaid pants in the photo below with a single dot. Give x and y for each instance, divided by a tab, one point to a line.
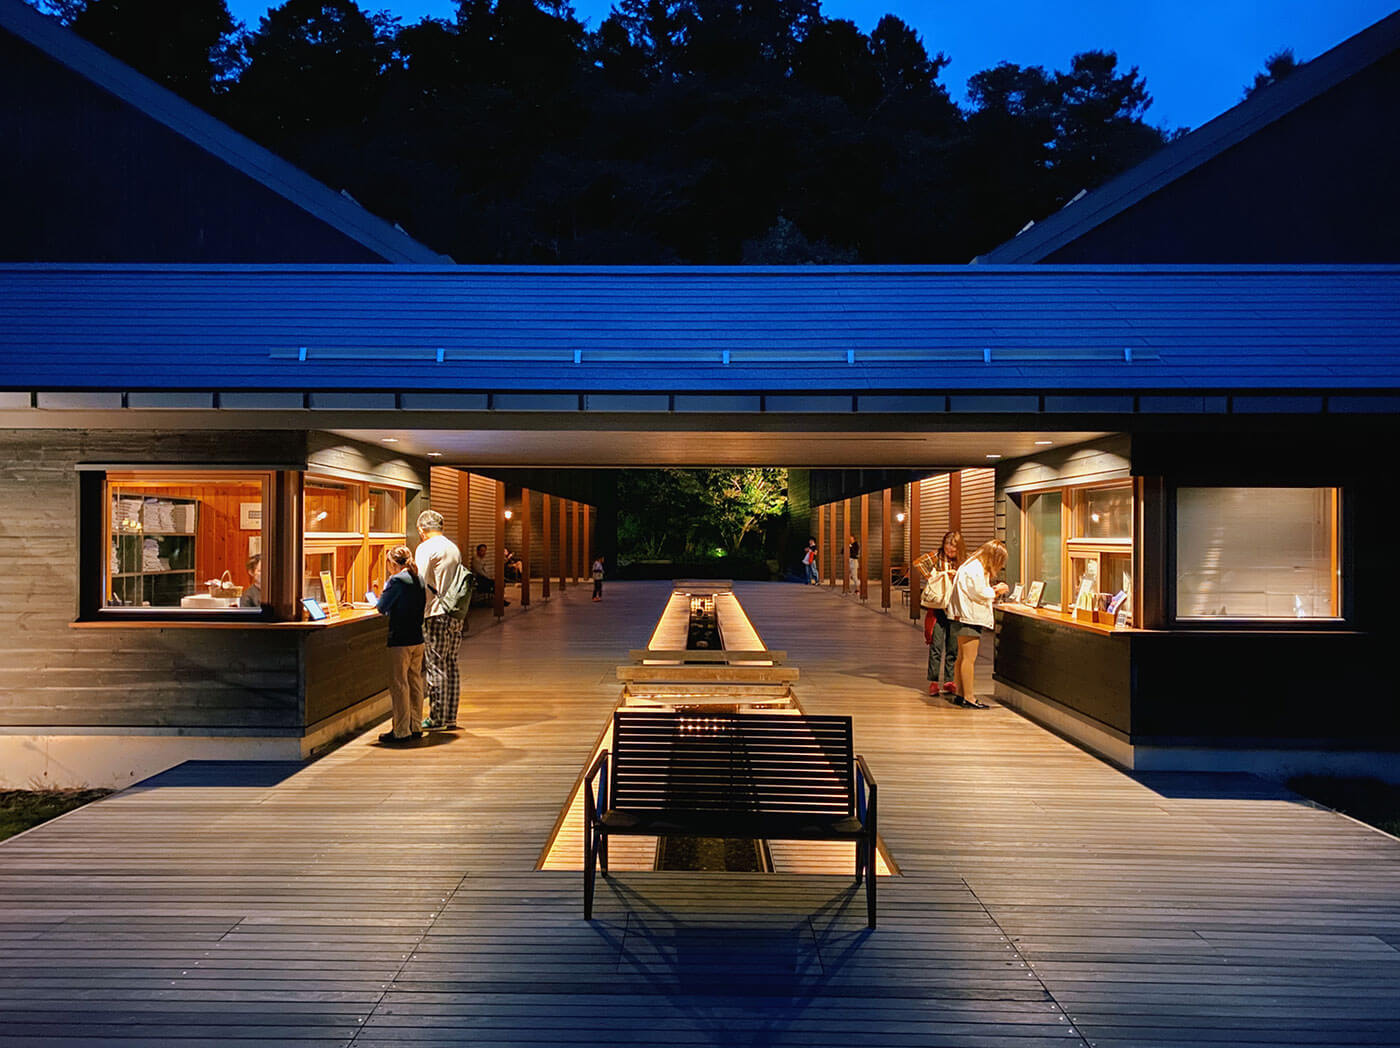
438	558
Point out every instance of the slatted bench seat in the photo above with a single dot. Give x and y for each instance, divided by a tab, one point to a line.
746	775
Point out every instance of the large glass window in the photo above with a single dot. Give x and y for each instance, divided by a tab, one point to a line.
349	526
1044	543
1257	553
191	541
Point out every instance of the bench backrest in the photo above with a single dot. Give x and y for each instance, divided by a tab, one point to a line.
732	763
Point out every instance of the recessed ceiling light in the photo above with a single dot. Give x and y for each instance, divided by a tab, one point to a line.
389	440
435	454
1043	443
994	456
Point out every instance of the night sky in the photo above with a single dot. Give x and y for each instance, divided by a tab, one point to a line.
1196	55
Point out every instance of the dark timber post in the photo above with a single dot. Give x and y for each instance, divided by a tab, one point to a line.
911	509
886	524
845	553
545	540
498	597
865	547
563	546
573	536
524	547
821	534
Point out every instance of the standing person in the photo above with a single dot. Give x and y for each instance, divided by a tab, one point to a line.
598	577
404	600
438	559
943	646
971	611
809	560
853	560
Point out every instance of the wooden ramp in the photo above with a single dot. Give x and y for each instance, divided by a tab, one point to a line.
388	897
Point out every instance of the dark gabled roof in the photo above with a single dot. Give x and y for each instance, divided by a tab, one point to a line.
1207	142
218	139
710	330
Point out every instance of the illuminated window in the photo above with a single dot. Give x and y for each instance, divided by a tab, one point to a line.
1257	553
1043	543
187	541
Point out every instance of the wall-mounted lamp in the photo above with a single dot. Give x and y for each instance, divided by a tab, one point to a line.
509	514
899	517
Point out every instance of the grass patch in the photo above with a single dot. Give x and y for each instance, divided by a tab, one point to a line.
21	809
1371	801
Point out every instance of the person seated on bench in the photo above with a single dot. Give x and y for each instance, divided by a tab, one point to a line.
484	582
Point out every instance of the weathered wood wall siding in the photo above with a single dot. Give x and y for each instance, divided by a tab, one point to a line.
1087	671
54	675
344	665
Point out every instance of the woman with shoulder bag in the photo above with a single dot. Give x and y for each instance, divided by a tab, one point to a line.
971	612
403	600
938	628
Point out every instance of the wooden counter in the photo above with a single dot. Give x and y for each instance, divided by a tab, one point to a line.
188	621
1064	618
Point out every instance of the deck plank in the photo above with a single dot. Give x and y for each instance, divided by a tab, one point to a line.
388	897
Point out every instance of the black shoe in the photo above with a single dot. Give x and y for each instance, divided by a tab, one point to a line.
390	739
414	736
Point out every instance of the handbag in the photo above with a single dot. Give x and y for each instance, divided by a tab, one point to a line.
938	590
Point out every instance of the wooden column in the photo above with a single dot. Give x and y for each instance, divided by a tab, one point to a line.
546	540
864	547
821	533
913	553
498	599
282	548
833	549
464	515
586	550
846	519
1149	553
955	501
524	547
886	524
573	546
563	546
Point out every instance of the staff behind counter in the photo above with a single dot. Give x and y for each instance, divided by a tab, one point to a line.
252	596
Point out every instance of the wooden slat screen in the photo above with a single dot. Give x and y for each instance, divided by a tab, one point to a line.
933	512
732	764
482	526
442	496
978	507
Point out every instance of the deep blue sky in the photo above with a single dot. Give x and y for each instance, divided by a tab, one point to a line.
1196	55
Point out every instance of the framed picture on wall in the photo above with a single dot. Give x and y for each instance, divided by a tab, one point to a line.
1033	594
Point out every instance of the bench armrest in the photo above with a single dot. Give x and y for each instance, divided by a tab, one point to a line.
867	796
595	801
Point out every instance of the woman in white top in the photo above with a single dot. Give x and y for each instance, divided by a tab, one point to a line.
971	611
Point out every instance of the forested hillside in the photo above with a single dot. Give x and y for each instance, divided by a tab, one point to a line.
680	131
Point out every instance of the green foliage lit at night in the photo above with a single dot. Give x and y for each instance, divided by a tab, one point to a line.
691	515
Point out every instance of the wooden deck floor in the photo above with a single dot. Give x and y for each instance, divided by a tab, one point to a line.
387	897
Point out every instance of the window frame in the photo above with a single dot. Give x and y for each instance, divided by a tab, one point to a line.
1339	555
1072	547
95	577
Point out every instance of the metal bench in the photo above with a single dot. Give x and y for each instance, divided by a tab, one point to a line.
745	775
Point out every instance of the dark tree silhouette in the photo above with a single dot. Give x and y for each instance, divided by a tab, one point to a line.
1277	66
186	45
701	131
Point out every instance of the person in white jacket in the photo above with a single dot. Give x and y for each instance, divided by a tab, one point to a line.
971	612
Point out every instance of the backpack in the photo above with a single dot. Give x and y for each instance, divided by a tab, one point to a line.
938	590
456	596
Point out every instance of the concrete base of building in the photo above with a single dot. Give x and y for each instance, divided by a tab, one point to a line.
1277	763
113	758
